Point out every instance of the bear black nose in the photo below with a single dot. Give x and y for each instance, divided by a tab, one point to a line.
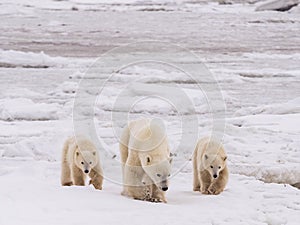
215	175
164	188
86	171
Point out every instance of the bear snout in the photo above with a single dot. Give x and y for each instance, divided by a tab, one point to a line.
86	171
164	188
215	176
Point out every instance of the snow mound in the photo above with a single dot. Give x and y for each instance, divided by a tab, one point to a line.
273	174
26	109
290	107
36	148
69	87
77	75
11	58
113	99
18	92
277	5
295	9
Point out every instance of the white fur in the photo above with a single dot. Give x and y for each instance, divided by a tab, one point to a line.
144	150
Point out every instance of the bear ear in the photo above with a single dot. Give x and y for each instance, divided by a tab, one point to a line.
148	159
94	153
77	153
205	156
224	158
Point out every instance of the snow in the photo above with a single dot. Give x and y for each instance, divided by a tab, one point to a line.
279	5
265	203
47	52
290	107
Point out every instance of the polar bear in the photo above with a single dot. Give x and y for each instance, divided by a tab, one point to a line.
209	167
146	161
79	159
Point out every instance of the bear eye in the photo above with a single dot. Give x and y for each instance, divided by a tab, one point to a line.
90	162
169	175
211	167
158	175
82	163
219	167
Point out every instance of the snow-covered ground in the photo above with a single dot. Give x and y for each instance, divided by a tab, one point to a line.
47	47
32	195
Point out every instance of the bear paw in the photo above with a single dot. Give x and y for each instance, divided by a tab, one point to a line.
204	191
196	188
213	191
156	200
67	183
124	193
148	196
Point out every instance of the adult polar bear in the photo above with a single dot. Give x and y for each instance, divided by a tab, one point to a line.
146	162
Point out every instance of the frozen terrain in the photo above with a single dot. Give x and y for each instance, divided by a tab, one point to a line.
47	47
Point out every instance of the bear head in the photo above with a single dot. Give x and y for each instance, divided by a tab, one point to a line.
157	169
214	164
86	160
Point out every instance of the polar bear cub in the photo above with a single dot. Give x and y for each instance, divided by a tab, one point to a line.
209	167
146	162
79	159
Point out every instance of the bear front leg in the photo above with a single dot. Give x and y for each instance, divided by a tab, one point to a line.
135	192
132	182
78	176
205	181
219	184
96	179
148	193
65	174
147	182
216	188
157	195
